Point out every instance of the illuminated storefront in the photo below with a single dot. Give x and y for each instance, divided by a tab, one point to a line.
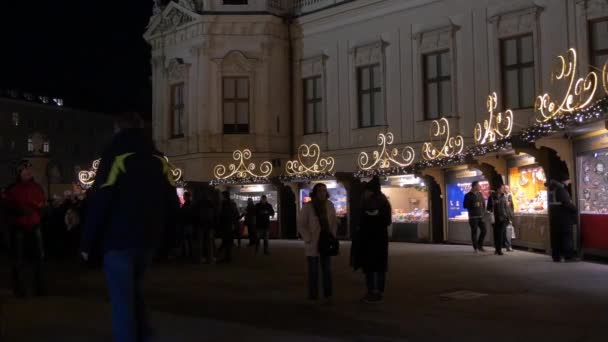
409	200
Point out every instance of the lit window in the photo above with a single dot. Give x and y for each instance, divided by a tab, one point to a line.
30	145
15	119
46	147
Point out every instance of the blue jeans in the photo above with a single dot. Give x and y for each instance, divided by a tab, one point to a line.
313	276
125	276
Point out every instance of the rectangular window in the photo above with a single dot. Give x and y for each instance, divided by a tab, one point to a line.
370	96
313	105
517	67
30	145
15	119
598	38
236	105
46	147
437	85
177	110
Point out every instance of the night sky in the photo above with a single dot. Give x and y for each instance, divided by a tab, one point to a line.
90	53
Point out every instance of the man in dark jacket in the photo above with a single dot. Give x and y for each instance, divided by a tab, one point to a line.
23	201
229	216
264	212
475	204
562	218
132	202
503	216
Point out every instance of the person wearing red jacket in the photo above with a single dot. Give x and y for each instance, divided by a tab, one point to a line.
23	201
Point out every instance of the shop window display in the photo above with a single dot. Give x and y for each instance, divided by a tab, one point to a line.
456	193
593	183
528	189
408	196
242	194
337	195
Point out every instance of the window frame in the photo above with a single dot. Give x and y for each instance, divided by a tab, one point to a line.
317	98
370	92
438	80
236	128
593	53
30	144
180	108
519	66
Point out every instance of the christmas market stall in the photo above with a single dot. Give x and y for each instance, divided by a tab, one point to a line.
244	180
407	193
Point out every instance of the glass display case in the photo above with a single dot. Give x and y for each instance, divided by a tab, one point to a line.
527	184
409	199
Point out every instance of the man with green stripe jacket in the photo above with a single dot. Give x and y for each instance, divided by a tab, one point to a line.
132	203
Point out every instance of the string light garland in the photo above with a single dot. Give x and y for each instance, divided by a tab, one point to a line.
307	178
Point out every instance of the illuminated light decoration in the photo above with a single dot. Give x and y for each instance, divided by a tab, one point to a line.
87	178
241	172
451	146
605	77
387	156
499	126
579	94
309	162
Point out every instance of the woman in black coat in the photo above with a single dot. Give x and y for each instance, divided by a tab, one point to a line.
372	247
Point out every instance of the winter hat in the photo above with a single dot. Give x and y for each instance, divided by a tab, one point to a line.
373	185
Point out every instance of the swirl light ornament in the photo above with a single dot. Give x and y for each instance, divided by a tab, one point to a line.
176	172
605	77
499	126
87	178
309	162
579	93
242	169
450	146
387	156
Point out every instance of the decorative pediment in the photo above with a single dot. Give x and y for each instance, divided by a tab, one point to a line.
235	62
171	18
371	53
516	22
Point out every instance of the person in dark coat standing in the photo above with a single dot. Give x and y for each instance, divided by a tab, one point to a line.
187	223
23	202
208	224
133	201
475	204
503	216
229	217
372	251
264	212
562	218
250	220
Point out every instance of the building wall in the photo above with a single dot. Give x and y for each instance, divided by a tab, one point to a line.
329	39
75	139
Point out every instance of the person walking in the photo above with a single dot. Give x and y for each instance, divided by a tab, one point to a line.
503	216
133	201
318	215
23	202
475	205
562	218
250	220
187	223
229	216
264	212
509	233
372	250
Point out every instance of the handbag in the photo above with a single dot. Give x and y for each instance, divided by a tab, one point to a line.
328	244
511	231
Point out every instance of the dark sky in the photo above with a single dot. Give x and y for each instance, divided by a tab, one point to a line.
90	53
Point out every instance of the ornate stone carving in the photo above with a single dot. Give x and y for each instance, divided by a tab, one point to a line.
171	20
177	71
516	22
235	62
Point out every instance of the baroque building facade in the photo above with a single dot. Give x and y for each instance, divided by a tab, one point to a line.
270	75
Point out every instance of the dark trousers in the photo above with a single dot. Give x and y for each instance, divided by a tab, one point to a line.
477	224
375	281
187	241
499	235
253	234
207	239
262	234
125	271
226	246
313	276
26	246
562	242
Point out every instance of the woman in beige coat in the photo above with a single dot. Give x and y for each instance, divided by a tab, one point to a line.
316	215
